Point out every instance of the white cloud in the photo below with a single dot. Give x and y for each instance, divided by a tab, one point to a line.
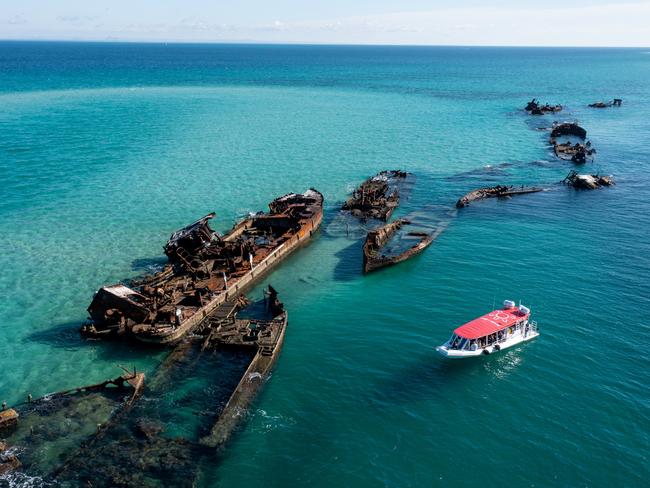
622	24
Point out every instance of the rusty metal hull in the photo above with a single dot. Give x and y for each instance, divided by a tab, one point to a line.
245	392
494	192
237	286
205	271
376	239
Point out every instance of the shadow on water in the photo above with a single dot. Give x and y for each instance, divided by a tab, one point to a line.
149	265
67	336
426	376
349	265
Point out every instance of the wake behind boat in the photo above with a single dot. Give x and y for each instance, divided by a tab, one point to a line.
492	332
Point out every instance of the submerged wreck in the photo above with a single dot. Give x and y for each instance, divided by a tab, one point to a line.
499	191
59	422
205	271
265	337
377	197
576	153
536	109
567	129
569	151
194	402
374	256
617	102
586	181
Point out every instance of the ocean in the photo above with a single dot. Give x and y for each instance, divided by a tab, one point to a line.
107	148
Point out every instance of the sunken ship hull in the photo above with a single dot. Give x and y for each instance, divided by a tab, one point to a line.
373	259
269	345
206	271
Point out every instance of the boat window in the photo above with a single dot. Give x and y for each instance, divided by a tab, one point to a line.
462	344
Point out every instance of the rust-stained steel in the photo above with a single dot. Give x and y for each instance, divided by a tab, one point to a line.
586	181
205	271
374	258
267	337
377	197
8	460
499	191
536	109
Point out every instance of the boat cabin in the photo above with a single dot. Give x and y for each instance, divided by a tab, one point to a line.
490	329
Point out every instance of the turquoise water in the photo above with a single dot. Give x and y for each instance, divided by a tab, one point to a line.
105	149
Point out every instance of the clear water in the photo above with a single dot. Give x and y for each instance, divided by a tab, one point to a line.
105	149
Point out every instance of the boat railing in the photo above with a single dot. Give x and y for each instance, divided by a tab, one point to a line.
533	325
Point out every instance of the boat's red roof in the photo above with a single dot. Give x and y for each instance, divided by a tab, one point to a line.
490	323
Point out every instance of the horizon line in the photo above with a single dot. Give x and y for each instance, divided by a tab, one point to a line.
302	43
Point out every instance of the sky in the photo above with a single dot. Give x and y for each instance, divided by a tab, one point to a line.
419	22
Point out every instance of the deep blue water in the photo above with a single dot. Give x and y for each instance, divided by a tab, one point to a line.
105	149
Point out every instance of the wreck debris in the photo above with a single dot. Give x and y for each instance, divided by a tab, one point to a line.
576	153
8	459
567	129
377	197
267	337
44	424
373	255
617	102
536	109
205	271
568	151
586	181
499	191
8	419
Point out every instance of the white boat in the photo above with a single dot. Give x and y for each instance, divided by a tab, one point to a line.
492	332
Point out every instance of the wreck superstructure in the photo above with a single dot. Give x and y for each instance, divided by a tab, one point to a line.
377	197
586	181
266	337
205	271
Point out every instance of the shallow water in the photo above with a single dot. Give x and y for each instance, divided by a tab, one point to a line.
106	149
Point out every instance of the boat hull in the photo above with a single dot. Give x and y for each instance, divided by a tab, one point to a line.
456	354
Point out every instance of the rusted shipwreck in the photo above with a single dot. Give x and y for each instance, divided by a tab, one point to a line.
617	102
567	129
377	197
375	255
266	338
499	191
205	271
586	181
218	370
535	108
577	152
44	424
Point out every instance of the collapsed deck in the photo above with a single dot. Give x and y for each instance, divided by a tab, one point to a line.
266	337
377	197
535	108
586	181
205	271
